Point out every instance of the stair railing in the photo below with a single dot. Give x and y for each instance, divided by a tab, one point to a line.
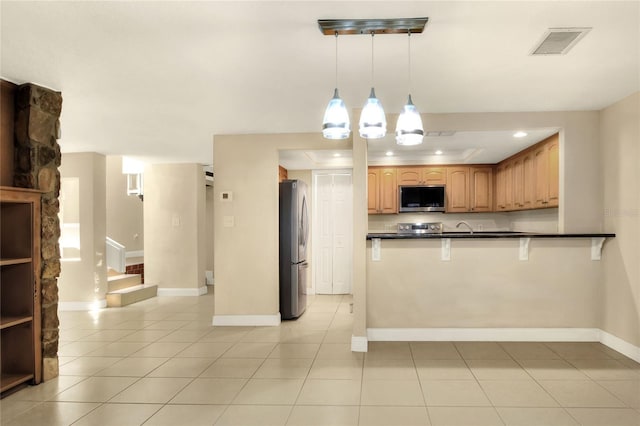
116	254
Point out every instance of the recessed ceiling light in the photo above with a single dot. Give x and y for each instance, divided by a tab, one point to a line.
336	154
438	152
519	134
388	153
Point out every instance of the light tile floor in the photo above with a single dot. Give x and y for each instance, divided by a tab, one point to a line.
160	362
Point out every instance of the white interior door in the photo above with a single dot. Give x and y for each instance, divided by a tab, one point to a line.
334	234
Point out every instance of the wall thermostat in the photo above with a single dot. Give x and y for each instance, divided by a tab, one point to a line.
226	196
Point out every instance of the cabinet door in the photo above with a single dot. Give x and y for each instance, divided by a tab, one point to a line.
481	196
553	166
373	185
388	194
409	175
518	183
541	177
499	188
508	186
434	176
283	174
528	181
457	189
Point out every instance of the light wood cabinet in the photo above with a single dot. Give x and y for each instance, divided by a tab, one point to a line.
508	186
499	188
420	175
382	190
20	346
481	186
523	182
546	169
457	190
469	189
283	174
530	179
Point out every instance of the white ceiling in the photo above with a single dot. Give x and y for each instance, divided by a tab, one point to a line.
156	80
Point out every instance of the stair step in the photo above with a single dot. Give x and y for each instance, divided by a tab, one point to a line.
118	282
113	272
127	296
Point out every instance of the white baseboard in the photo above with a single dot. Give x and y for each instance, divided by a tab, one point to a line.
496	335
134	253
82	306
622	346
246	320
359	344
168	291
484	334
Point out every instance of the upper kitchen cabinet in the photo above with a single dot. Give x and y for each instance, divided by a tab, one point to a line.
283	174
481	185
382	190
469	189
420	175
529	179
523	182
546	167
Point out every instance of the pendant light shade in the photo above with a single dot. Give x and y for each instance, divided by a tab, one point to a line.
336	124
409	130
373	123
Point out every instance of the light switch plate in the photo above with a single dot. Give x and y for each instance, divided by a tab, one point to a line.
228	221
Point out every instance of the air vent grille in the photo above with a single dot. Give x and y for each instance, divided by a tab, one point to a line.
558	41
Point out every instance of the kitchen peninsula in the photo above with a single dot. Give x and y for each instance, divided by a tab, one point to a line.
483	286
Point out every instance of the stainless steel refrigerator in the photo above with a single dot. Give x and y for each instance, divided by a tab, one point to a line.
294	235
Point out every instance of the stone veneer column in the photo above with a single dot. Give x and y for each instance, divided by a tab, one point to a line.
36	166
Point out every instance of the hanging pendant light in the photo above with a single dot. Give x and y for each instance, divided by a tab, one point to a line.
409	129
336	124
373	123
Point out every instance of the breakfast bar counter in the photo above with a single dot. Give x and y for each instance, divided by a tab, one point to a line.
487	284
482	234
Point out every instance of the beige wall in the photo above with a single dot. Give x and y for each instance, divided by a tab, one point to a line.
484	285
246	254
125	217
85	281
174	217
620	151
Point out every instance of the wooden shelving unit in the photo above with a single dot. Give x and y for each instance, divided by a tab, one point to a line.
20	336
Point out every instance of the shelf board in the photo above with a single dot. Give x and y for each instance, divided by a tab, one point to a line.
10	321
14	261
8	380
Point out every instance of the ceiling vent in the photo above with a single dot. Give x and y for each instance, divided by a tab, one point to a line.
558	41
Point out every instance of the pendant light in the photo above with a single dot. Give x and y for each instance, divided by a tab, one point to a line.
373	123
409	130
336	124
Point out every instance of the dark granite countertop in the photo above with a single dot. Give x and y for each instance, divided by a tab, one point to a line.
483	234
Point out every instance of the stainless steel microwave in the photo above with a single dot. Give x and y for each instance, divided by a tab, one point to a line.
421	198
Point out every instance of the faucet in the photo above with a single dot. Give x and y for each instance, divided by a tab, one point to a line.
467	225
